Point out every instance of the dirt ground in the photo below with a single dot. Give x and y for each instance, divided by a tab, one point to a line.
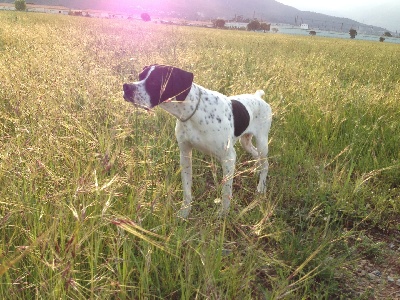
377	273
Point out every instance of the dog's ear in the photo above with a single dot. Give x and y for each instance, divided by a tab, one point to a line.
178	85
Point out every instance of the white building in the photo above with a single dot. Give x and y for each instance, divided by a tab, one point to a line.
47	9
38	8
236	25
95	13
119	16
304	26
7	6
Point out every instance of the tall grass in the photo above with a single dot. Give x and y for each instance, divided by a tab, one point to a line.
90	186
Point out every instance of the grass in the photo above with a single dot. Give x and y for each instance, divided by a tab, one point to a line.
90	187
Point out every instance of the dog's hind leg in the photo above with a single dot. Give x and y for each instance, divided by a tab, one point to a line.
247	145
260	154
262	149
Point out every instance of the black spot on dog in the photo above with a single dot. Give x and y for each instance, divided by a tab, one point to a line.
241	117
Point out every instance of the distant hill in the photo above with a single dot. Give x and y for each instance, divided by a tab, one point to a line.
388	15
265	10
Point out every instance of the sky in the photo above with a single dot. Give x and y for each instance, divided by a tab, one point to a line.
336	5
384	13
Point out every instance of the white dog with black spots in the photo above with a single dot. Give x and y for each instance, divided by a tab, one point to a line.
208	121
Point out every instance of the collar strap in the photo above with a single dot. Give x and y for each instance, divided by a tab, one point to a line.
192	114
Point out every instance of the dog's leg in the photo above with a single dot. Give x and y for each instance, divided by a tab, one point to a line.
186	173
228	169
247	145
260	154
262	148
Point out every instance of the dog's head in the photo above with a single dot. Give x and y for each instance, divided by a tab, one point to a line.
158	83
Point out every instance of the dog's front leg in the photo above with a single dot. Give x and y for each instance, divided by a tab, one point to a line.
186	173
228	169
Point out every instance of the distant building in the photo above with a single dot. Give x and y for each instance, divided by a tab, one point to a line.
38	8
95	14
304	26
236	25
7	6
120	16
47	9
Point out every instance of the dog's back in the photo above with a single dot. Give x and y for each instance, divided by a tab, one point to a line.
260	112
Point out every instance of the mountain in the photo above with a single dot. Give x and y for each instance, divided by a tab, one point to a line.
387	17
383	13
264	10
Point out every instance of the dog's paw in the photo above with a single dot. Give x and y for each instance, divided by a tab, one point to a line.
261	188
184	212
223	213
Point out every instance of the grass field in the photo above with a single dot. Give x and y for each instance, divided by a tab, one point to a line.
90	187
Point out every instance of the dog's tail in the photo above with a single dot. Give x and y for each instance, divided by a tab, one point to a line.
259	93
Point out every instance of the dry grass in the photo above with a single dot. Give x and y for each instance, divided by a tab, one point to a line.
90	187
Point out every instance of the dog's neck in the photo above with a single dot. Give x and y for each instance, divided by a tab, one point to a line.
185	110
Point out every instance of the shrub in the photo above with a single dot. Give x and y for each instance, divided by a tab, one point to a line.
219	23
353	33
20	5
253	25
145	17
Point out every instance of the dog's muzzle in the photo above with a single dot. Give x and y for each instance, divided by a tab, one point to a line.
129	95
129	92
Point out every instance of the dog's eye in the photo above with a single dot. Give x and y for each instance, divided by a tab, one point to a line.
141	77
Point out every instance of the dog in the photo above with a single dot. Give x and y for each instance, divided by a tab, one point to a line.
208	121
